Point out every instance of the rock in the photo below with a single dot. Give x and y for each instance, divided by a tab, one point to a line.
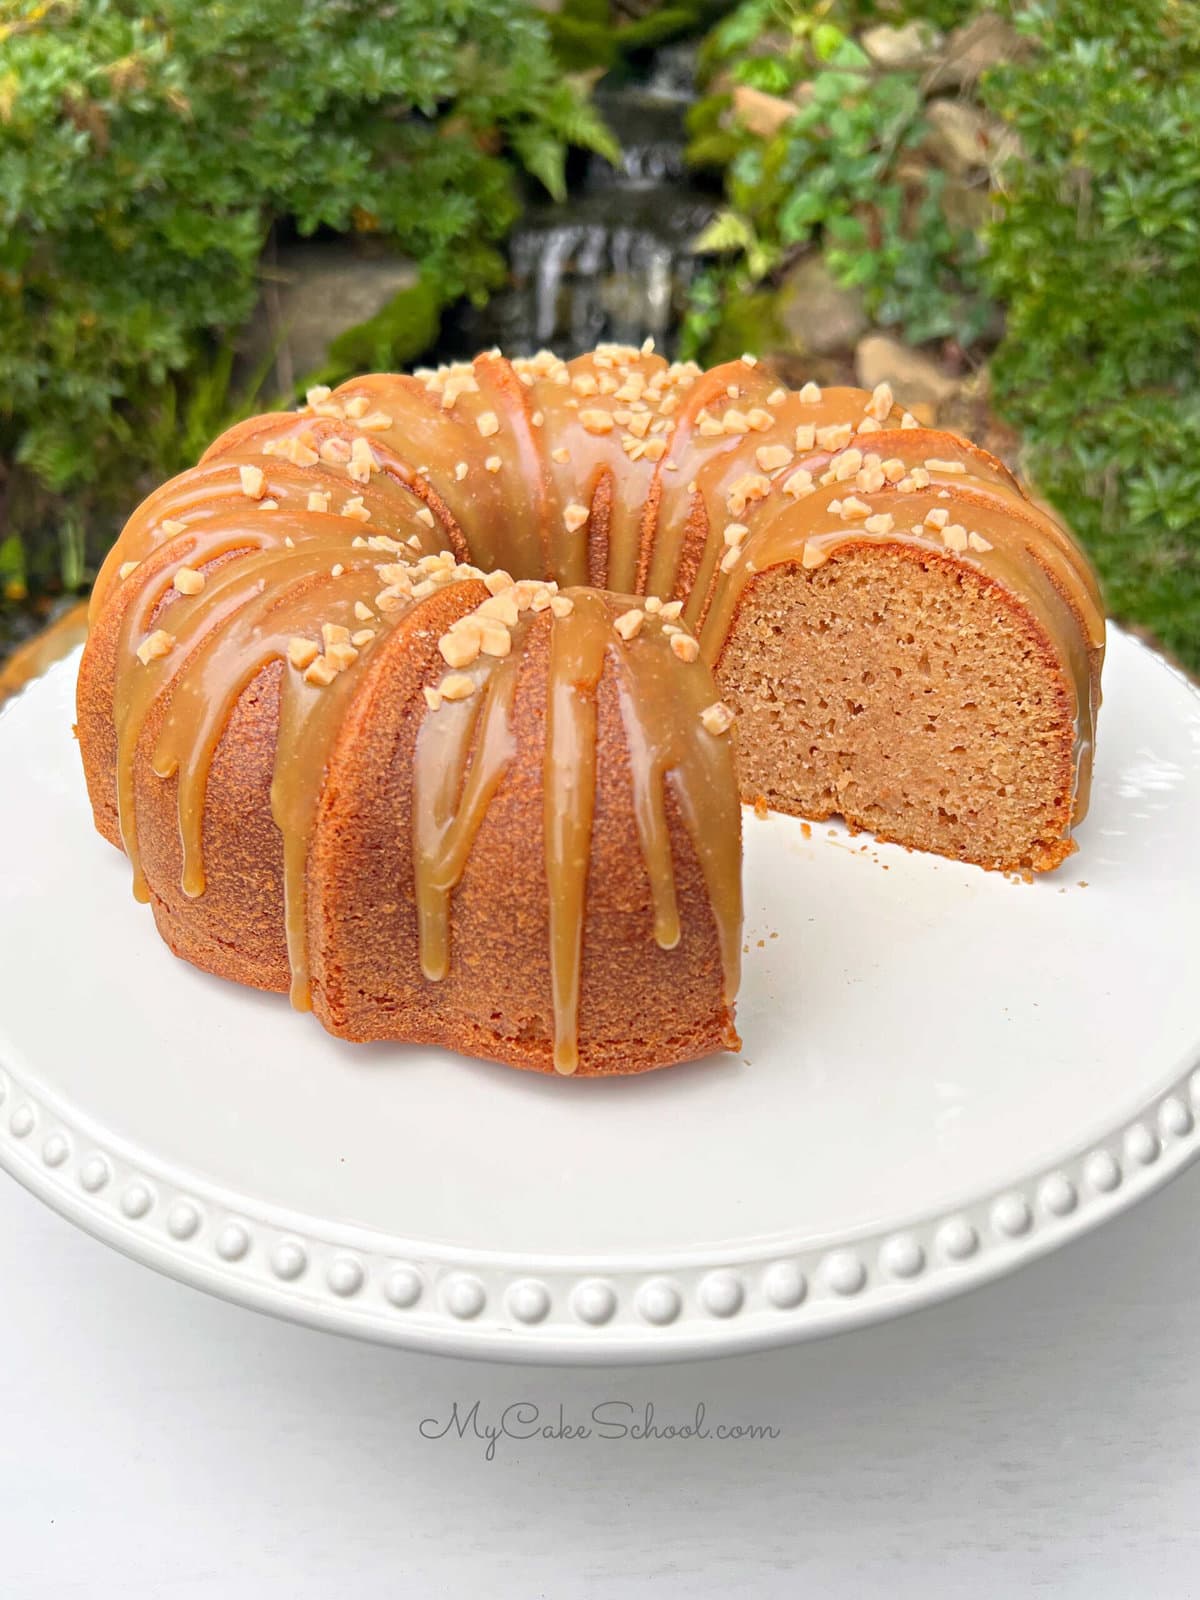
916	379
984	42
961	138
817	314
312	293
900	49
763	114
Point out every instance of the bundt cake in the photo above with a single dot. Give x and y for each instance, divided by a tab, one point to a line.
419	702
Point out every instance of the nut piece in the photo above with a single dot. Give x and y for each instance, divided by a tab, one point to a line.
813	555
772	456
457	686
171	526
810	395
321	672
629	623
596	421
880	522
684	646
155	645
574	516
488	423
561	605
459	648
126	568
976	541
254	482
954	536
433	698
717	718
880	404
188	581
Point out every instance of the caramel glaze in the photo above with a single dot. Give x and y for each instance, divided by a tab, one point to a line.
319	529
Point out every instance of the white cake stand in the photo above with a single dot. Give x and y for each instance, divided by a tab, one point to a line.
945	1074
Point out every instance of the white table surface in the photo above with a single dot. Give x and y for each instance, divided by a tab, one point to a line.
1041	1436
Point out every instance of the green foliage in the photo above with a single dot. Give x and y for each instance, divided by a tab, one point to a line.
587	37
837	173
148	146
1096	254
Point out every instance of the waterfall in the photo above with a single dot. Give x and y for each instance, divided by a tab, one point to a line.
614	261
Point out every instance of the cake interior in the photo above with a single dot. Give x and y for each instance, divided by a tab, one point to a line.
907	695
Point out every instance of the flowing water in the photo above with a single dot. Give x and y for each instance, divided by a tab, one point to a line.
614	261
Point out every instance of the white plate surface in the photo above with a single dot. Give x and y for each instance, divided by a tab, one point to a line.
945	1074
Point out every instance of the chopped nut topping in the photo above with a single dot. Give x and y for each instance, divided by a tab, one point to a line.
629	623
362	461
880	522
254	482
933	464
909	421
777	397
880	404
336	570
341	656
954	536
299	453
759	419
845	465
355	509
574	516
937	518
362	637
561	605
596	421
460	473
493	464
334	450
810	395
684	646
459	647
868	425
806	436
709	427
772	456
425	515
834	437
893	469
852	506
377	421
155	645
318	500
652	604
171	526
976	541
501	607
318	393
735	421
750	486
672	610
812	555
126	568
717	718
188	581
321	672
798	483
433	698
488	423
357	407
301	652
363	612
735	533
731	558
